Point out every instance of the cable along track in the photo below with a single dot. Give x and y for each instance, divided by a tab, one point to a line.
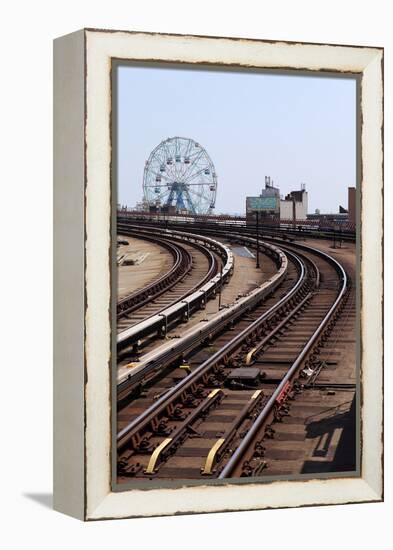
207	423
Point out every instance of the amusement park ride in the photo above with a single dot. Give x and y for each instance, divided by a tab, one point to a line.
180	174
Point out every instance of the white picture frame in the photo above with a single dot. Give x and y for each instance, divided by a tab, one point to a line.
82	248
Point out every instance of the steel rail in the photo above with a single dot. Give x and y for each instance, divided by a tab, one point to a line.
171	351
162	403
243	224
181	266
262	417
185	262
184	307
306	350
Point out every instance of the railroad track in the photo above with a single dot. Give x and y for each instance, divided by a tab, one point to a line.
180	266
202	265
193	266
290	361
288	232
214	390
173	352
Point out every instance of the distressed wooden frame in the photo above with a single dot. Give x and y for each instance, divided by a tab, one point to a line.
82	250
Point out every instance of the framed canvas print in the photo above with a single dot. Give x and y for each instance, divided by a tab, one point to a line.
218	274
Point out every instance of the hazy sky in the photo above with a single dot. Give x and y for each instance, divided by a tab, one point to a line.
293	128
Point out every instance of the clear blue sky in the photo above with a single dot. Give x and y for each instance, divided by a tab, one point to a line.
292	128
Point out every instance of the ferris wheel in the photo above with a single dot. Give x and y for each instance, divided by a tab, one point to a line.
180	173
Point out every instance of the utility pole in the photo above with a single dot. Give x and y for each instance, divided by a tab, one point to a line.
257	213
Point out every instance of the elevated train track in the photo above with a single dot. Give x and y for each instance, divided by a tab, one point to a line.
181	266
194	264
202	265
176	350
202	407
345	232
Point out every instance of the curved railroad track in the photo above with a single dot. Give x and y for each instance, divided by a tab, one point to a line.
193	266
181	265
282	230
200	265
205	410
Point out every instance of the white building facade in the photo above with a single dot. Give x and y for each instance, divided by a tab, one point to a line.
300	199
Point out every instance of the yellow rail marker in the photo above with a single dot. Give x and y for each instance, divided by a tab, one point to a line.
213	393
207	469
249	356
157	451
156	454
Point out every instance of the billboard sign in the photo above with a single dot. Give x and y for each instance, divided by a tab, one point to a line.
254	204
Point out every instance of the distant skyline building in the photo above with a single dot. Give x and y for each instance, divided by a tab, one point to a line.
269	202
295	205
